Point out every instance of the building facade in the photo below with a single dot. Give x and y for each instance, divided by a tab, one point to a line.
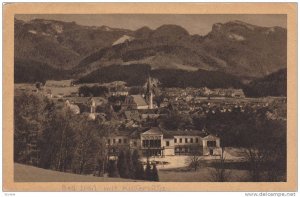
156	142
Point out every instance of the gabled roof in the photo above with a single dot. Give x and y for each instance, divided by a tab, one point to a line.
170	134
210	137
136	134
139	100
133	133
153	131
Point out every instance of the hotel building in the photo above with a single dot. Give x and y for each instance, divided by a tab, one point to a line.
158	142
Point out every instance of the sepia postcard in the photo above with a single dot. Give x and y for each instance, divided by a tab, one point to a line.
149	97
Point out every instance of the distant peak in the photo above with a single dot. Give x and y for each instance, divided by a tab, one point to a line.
172	27
48	21
144	28
105	28
143	32
170	30
238	22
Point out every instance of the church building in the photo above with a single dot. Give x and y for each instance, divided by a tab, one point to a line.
141	101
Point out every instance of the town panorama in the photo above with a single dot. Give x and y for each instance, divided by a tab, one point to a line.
109	104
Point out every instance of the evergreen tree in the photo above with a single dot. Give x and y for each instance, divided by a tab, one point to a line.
135	157
148	172
136	164
121	157
122	165
131	169
112	169
140	172
31	111
154	173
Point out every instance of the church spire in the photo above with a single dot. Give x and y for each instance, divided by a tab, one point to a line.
150	93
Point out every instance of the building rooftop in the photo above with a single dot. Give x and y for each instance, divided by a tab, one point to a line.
135	133
210	137
189	132
153	131
139	100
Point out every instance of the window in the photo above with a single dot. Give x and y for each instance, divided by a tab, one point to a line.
186	140
175	140
120	141
108	141
180	140
134	143
114	141
125	141
192	140
145	143
167	143
196	140
155	143
211	143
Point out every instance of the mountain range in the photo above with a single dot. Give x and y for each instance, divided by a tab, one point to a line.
237	49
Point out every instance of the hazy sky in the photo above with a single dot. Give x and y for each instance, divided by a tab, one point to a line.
194	23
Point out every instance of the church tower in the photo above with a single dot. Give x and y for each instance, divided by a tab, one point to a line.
151	100
93	106
92	114
149	93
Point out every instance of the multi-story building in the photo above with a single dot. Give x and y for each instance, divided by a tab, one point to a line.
158	142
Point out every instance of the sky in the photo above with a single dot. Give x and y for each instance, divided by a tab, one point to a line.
194	23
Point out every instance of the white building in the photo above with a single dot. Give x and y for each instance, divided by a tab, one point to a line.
156	142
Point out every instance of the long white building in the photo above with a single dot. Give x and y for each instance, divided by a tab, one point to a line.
157	142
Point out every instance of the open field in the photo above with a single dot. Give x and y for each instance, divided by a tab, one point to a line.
204	174
180	161
175	168
25	173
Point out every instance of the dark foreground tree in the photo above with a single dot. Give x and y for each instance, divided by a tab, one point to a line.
129	163
219	172
148	172
266	151
101	159
140	172
136	164
86	143
194	160
154	173
122	165
30	114
57	144
112	169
